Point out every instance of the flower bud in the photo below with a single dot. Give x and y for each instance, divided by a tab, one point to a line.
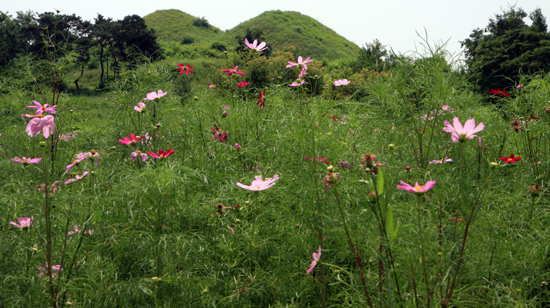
407	168
493	164
535	190
224	114
391	146
372	196
42	144
237	146
330	168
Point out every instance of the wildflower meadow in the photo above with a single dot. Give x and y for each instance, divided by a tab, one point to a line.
274	182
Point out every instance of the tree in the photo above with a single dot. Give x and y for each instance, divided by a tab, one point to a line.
508	47
373	56
102	35
134	40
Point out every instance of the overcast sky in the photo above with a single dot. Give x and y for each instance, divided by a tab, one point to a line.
394	22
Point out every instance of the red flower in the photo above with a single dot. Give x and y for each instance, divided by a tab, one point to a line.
502	93
231	71
261	102
185	68
511	159
534	118
242	84
335	118
161	153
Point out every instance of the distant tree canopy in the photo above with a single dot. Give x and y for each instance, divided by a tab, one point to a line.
51	34
506	48
373	56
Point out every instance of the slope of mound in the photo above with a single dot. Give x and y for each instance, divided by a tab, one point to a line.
175	25
310	37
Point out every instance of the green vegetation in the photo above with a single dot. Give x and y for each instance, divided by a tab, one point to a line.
119	220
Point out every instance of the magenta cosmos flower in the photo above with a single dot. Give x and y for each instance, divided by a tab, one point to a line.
418	189
242	84
185	68
41	123
23	222
301	62
255	46
232	71
40	109
259	184
161	153
459	133
316	257
441	161
77	178
153	96
261	102
77	230
130	140
25	160
343	82
140	107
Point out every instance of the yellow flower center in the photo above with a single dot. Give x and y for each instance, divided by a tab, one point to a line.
139	152
24	160
43	108
39	116
418	188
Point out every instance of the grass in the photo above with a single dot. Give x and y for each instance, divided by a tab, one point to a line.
212	244
280	29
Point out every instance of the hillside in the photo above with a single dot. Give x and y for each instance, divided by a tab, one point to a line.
175	25
280	29
310	37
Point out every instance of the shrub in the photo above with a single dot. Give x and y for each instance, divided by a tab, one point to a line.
201	22
188	40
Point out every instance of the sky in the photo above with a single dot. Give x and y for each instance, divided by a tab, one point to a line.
403	25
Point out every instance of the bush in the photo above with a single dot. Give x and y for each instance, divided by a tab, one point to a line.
219	46
201	22
187	40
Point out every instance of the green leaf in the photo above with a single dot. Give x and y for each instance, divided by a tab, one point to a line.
380	184
146	290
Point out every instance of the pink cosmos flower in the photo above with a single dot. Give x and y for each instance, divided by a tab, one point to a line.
23	222
259	184
243	84
153	96
418	189
302	73
218	133
301	62
25	160
343	82
161	153
77	230
185	68
232	71
131	140
140	107
55	270
77	178
459	133
139	154
296	84
255	46
53	188
441	161
316	257
41	109
41	123
79	157
26	115
68	136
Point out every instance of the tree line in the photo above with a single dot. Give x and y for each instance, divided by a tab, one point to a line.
50	34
